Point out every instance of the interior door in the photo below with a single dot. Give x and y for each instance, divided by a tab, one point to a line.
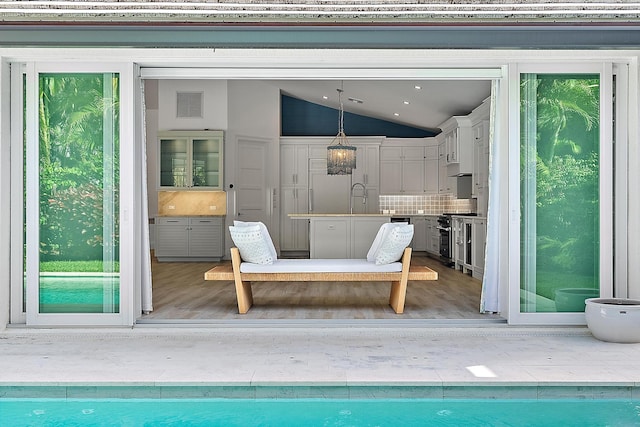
253	200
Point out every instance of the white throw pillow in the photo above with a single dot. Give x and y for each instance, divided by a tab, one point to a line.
251	243
394	243
265	234
382	232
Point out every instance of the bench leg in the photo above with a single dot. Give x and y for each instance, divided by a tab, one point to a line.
397	296
399	288
244	296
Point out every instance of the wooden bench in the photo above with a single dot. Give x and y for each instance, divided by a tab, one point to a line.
398	279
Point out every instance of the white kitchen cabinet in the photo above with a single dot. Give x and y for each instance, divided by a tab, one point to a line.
419	242
431	170
190	160
330	238
294	164
433	235
367	173
189	238
343	236
458	141
328	194
479	237
367	165
458	239
446	183
294	196
362	233
480	177
402	170
294	233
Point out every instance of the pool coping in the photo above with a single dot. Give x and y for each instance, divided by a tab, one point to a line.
475	391
321	362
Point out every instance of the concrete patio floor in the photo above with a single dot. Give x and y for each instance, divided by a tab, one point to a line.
440	361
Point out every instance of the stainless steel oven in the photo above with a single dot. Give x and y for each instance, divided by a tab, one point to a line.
444	226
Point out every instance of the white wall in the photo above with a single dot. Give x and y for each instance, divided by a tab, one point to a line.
254	112
214	114
242	108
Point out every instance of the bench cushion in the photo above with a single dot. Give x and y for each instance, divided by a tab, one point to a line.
393	244
320	266
265	235
251	244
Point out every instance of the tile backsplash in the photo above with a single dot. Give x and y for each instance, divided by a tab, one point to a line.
431	204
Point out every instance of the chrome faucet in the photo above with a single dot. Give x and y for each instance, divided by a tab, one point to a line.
364	195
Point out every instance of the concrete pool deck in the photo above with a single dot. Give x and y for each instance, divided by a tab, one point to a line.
566	359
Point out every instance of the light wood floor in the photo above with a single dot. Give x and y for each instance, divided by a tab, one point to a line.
181	293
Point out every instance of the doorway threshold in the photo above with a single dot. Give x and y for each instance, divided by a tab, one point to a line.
321	323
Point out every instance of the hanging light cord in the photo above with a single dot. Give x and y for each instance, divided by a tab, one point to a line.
341	115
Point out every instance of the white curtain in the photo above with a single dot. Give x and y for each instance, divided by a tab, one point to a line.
143	245
489	300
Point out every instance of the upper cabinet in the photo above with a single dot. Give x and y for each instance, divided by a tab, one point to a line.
401	169
458	141
190	160
367	164
409	169
294	164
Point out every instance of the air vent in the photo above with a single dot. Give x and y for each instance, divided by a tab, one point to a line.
189	104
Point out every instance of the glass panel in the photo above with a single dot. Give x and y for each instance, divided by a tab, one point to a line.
173	163
560	140
78	193
206	163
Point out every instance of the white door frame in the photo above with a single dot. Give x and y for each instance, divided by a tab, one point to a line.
605	70
127	225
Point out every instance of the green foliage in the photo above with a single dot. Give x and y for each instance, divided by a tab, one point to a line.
566	174
74	148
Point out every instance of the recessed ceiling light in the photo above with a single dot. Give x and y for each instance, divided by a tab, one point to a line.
405	102
396	114
418	87
325	97
356	100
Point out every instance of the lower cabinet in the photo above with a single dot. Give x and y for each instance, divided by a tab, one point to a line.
189	238
433	236
343	237
479	239
469	241
419	242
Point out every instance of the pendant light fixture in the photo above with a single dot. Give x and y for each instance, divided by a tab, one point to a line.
341	157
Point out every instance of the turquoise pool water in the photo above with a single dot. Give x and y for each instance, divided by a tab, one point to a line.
79	293
317	412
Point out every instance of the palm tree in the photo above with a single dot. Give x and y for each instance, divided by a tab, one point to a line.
560	104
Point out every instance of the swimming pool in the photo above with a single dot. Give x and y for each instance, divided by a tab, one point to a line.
318	412
79	293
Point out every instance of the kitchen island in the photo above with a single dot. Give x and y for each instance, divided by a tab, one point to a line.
341	235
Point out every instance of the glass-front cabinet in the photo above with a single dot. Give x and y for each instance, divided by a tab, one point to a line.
190	159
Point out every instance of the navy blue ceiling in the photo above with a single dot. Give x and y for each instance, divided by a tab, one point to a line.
302	118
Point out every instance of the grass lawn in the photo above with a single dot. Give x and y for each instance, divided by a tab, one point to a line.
75	266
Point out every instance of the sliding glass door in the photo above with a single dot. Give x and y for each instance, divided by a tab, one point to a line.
566	172
73	190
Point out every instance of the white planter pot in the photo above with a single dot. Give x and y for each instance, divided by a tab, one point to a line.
614	319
